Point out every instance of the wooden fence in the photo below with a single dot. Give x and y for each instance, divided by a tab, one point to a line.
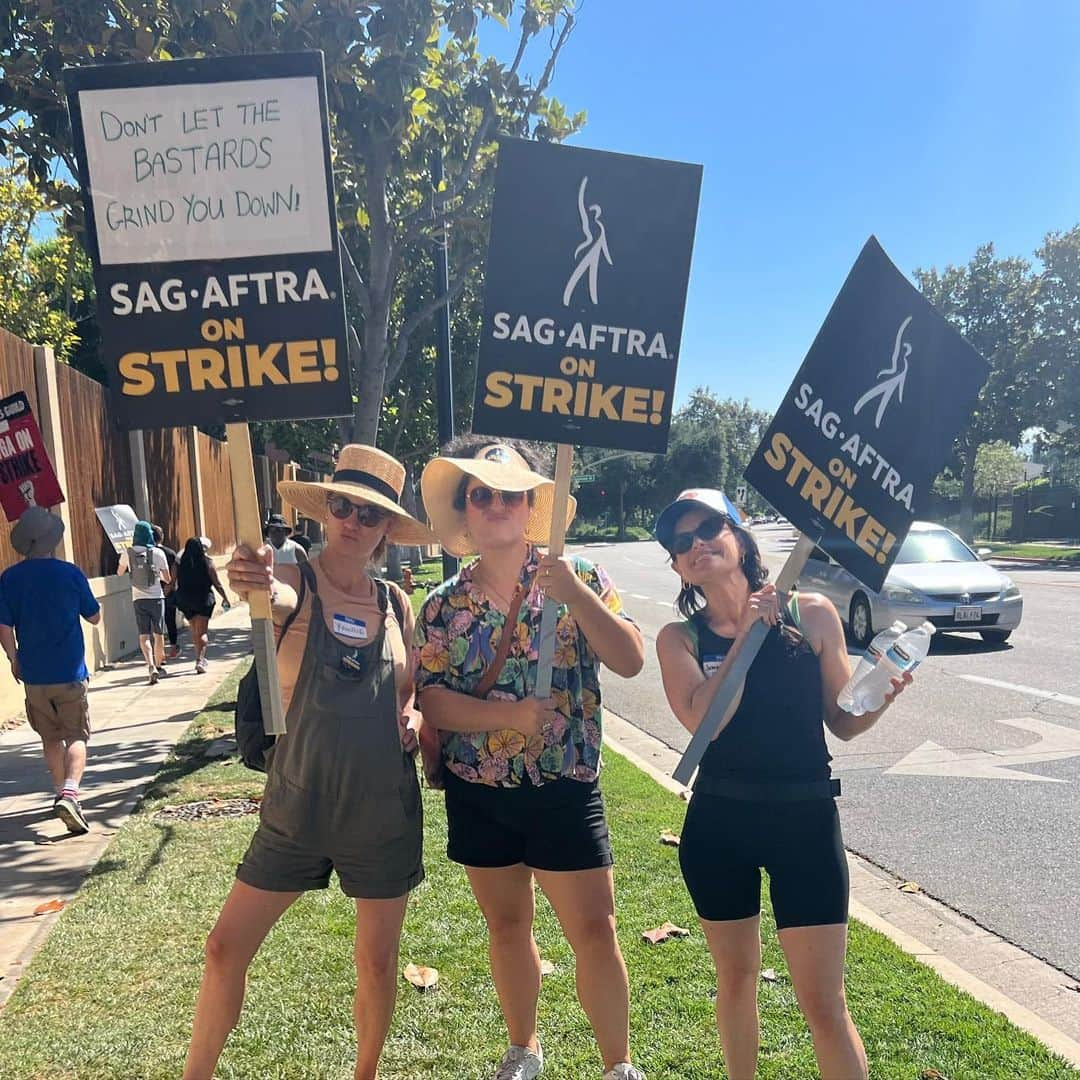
98	467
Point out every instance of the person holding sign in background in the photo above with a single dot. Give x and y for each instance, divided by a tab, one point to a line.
149	569
342	791
521	774
764	796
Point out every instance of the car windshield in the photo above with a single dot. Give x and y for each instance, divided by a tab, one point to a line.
934	546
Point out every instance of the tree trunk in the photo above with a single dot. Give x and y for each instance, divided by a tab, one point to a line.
622	510
967	498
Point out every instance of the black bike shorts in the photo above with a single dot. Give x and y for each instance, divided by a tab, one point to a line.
727	842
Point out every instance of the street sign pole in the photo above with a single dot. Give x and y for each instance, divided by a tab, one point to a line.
736	674
443	367
564	457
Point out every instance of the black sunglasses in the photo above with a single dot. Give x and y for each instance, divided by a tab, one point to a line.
369	516
483	497
708	529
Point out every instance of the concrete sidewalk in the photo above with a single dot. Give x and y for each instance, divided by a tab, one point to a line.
135	726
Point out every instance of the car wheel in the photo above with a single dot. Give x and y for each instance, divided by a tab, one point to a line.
861	621
995	637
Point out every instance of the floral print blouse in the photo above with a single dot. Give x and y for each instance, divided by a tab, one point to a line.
457	634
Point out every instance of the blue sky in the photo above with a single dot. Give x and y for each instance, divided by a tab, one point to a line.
936	126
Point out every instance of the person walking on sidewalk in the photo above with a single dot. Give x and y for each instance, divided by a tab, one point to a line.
172	649
42	600
523	799
196	581
286	551
149	570
341	791
764	796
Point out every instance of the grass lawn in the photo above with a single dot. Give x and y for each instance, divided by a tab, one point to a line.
111	993
1034	551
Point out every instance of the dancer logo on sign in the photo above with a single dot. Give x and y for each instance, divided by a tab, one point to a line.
590	251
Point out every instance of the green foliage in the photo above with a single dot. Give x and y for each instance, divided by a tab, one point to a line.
404	78
42	286
998	468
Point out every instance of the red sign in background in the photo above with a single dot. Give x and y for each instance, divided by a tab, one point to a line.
26	473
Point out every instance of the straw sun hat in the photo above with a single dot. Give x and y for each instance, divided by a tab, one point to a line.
362	474
499	467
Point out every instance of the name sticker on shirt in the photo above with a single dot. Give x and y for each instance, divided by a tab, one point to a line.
347	627
711	664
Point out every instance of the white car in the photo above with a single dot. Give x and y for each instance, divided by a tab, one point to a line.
936	578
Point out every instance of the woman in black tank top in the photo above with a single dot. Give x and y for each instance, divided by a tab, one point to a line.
763	797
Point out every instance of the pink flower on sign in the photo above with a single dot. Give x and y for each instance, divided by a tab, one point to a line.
493	770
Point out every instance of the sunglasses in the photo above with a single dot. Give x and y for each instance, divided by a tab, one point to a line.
708	529
483	497
369	516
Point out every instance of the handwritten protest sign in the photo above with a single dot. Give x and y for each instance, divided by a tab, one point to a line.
211	224
584	291
869	420
27	477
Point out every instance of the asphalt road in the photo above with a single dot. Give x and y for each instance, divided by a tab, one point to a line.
991	832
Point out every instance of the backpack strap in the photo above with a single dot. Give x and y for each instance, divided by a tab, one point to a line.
792	608
307	579
387	593
690	628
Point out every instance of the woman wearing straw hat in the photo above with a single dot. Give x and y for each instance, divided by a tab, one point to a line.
341	791
522	798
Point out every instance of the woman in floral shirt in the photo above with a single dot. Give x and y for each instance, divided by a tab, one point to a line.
521	773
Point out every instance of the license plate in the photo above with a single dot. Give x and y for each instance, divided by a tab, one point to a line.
967	614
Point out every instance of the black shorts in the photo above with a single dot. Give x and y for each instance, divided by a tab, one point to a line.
726	843
195	605
556	826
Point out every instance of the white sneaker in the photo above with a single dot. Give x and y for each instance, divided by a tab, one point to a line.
520	1063
200	666
624	1071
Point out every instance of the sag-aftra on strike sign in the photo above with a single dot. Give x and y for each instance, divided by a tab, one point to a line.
869	420
213	233
584	291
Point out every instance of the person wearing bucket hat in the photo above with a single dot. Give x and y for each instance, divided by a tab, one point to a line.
342	792
764	795
523	802
42	600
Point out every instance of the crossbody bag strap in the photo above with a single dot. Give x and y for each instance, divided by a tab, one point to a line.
494	669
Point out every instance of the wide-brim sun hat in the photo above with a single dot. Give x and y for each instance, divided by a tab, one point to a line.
691	498
499	467
364	475
37	532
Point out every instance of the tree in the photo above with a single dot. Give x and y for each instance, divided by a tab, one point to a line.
698	449
404	79
40	286
1059	338
998	468
992	302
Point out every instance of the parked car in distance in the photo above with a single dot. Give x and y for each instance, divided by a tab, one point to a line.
936	578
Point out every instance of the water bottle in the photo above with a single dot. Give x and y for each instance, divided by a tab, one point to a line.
880	644
905	654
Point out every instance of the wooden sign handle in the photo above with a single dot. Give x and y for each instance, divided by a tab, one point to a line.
249	533
564	458
725	695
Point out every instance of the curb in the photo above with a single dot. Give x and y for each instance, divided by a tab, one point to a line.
633	744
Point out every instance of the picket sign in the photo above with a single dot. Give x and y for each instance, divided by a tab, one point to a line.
564	457
249	533
736	674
